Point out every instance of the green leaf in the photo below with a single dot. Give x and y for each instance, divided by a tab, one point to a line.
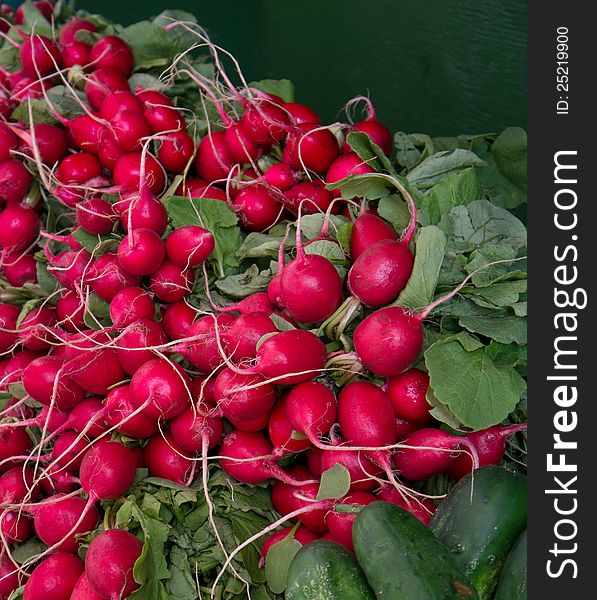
407	154
97	245
259	245
30	548
370	152
503	328
9	57
151	45
442	164
281	323
395	211
97	313
330	250
39	111
430	246
370	186
46	281
335	483
464	377
33	20
244	284
280	87
277	562
344	236
65	104
181	36
510	153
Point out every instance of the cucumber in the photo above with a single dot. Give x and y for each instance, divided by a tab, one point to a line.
324	570
401	558
513	579
479	532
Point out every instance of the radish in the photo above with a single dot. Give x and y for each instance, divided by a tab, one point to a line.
68	31
78	168
301	535
198	188
39	55
177	319
129	127
430	452
54	578
8	326
311	408
83	590
95	370
245	458
8	142
361	469
129	305
110	153
119	405
189	246
366	230
213	159
176	151
347	165
75	54
190	427
70	267
112	54
265	122
96	216
408	393
87	416
285	500
58	522
490	444
314	456
141	252
34	330
378	132
241	147
162	386
15	180
16	484
171	283
282	434
422	508
316	197
102	83
163	459
300	113
246	404
135	341
159	112
127	173
257	208
243	333
16	528
403	428
107	277
109	563
281	176
19	227
70	311
119	101
53	420
67	452
313	148
340	524
19	269
141	210
89	133
51	141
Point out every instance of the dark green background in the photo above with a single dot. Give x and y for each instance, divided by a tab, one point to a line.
441	67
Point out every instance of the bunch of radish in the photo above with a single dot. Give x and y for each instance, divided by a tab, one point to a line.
167	386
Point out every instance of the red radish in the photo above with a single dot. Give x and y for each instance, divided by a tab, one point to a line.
198	188
244	332
110	153
109	563
16	528
96	216
14	441
314	456
83	590
257	208
19	227
161	118
189	246
107	470
141	210
102	83
246	459
430	452
44	380
129	305
311	408
362	470
129	127
347	165
312	150
60	520
8	326
54	578
285	439
285	501
95	370
53	420
16	484
368	229
255	303
244	404
119	101
119	406
78	168
190	427
301	535
127	173
340	524
87	416
51	142
316	197
403	428
19	269
163	385
15	365
39	55
135	342
241	147
171	283
15	180
422	508
67	452
281	176
408	393
177	319
89	133
141	252
75	53
34	330
265	123
112	54
71	268
176	151
213	159
163	459
107	277
68	31
377	131
300	113
490	444
8	142
251	425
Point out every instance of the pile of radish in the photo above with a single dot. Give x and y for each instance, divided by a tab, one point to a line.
119	356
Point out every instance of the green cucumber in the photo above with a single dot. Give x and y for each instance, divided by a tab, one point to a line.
324	570
479	529
513	579
401	558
